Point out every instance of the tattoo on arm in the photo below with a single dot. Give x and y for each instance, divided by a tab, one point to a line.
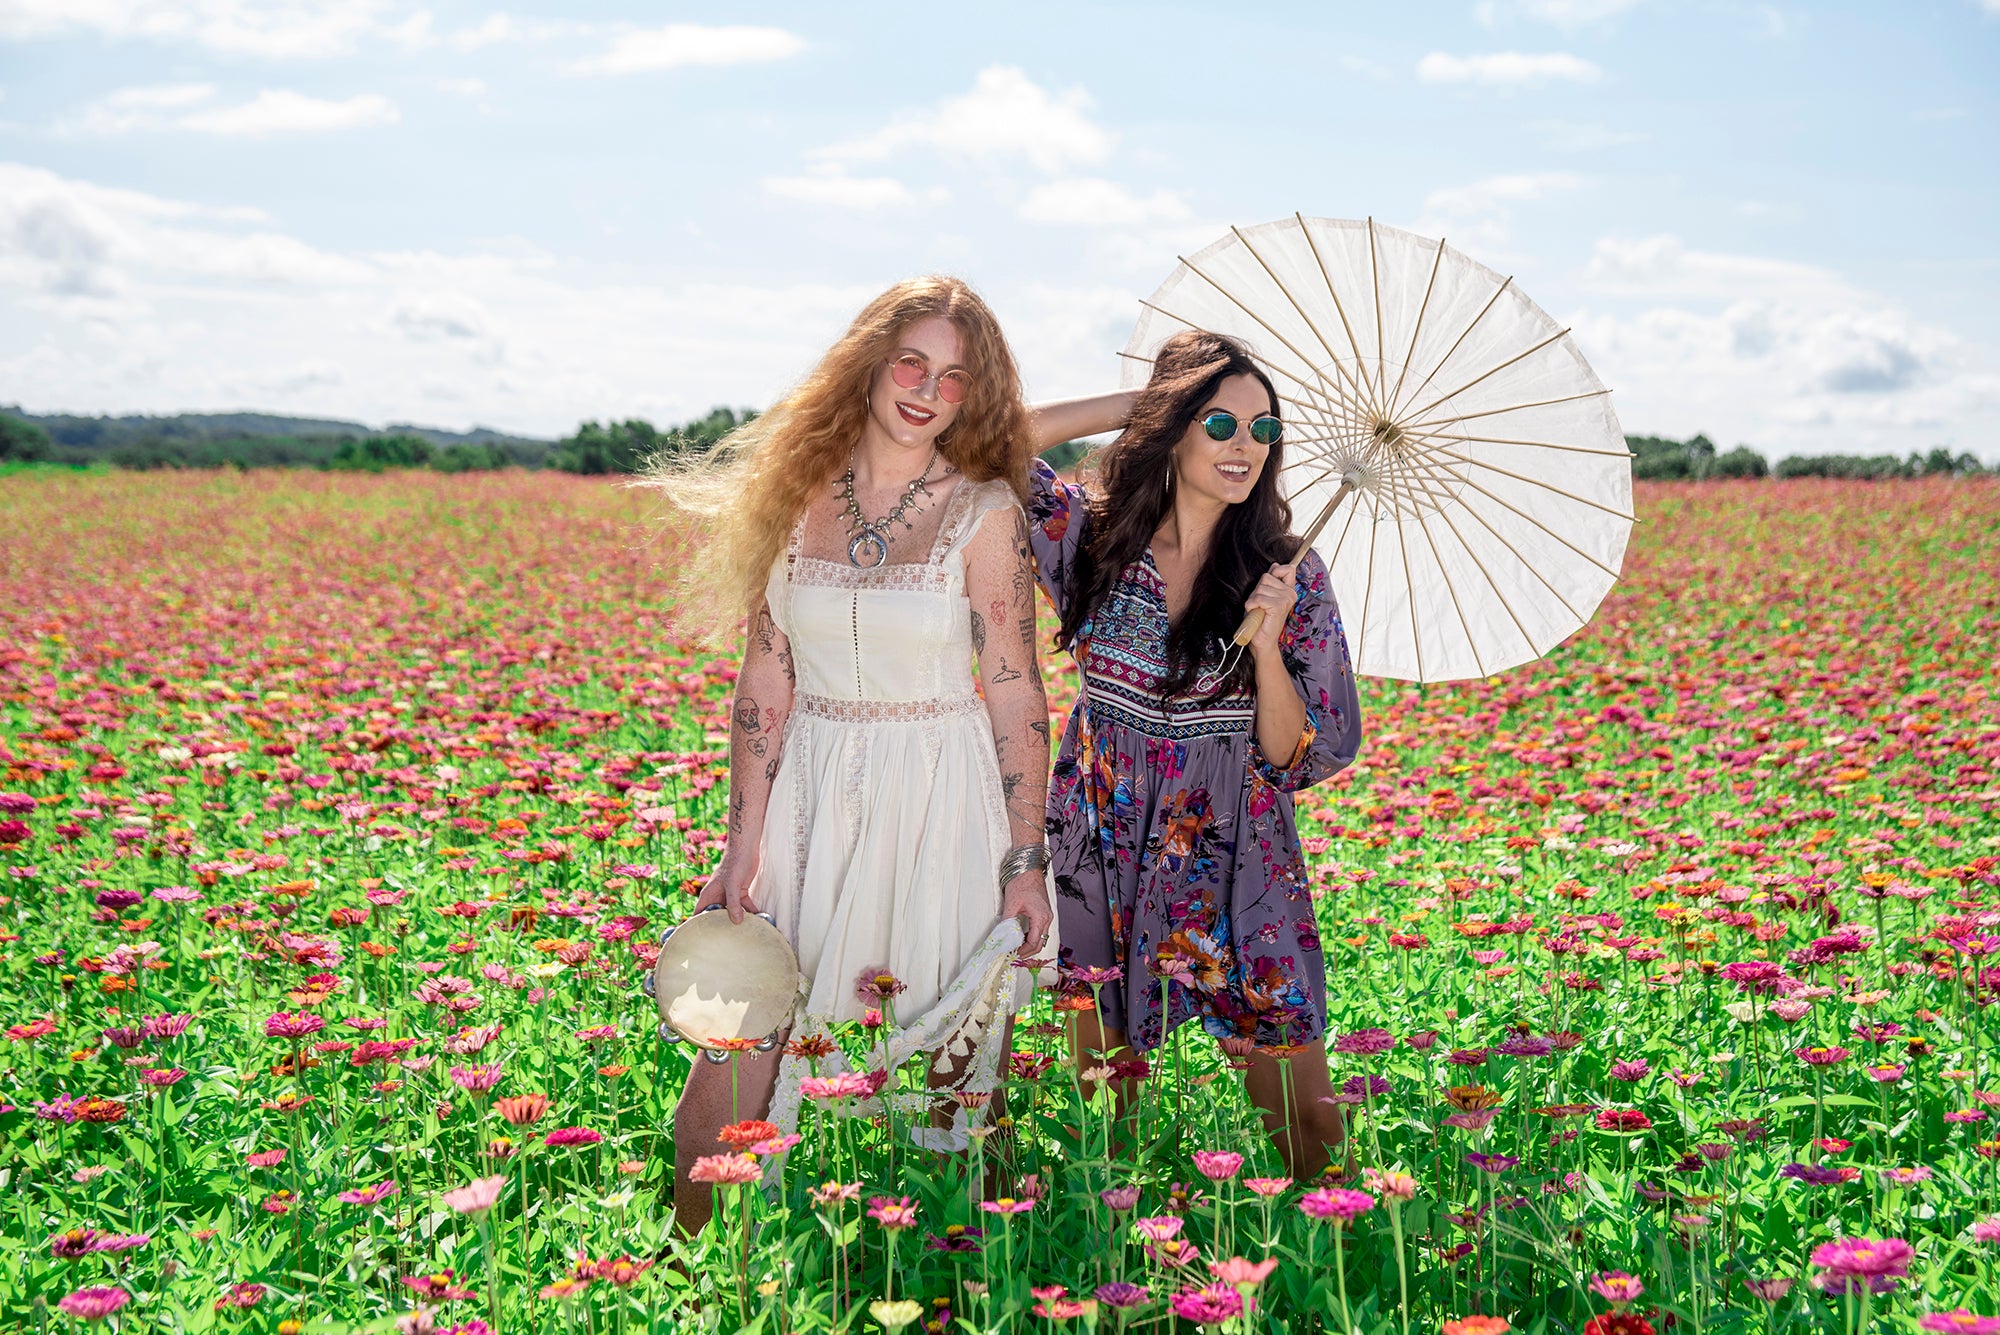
1041	729
1005	674
767	628
978	633
785	661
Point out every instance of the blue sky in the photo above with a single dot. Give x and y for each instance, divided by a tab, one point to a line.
1774	223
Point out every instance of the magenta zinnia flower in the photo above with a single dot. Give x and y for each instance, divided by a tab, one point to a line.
1616	1287
571	1135
1218	1165
1122	1295
94	1304
1365	1042
1821	1056
1850	1263
1209	1305
476	1196
1958	1321
293	1024
892	1214
1337	1203
475	1079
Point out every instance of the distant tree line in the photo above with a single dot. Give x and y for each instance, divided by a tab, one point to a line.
246	440
256	440
1697	459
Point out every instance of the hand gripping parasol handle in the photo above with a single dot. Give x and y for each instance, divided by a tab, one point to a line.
1254	619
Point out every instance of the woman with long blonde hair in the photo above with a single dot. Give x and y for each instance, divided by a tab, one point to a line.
883	812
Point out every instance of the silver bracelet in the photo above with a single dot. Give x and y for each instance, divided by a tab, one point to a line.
1023	858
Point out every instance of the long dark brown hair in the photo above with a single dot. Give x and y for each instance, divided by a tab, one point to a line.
1132	493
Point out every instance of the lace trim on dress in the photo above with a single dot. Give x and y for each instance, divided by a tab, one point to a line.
884	711
909	575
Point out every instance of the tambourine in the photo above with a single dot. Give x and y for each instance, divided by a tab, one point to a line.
718	983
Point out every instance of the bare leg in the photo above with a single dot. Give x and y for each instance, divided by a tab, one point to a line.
1093	1043
1299	1119
704	1109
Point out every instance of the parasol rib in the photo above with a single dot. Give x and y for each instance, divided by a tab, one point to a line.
1502	502
1464	334
1450	588
1333	358
1491	583
1340	309
1515	552
1381	367
1544	445
1510	408
1418	328
1410	592
1237	302
1475	462
1517	357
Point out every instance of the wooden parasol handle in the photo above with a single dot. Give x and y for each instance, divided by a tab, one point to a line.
1254	618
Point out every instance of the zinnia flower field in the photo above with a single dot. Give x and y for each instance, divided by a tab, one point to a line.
341	814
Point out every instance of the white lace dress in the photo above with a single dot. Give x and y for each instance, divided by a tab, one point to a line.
886	823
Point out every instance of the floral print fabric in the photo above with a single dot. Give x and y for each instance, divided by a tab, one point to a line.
1174	848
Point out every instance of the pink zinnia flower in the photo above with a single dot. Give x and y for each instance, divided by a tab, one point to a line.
94	1304
1209	1305
1159	1228
265	1158
369	1195
571	1135
476	1196
1821	1056
1237	1271
1268	1186
1006	1205
1616	1287
1119	1199
1630	1070
1341	1204
1866	1260
475	1079
293	1024
829	1194
1218	1165
1958	1321
725	1170
892	1214
1389	1182
846	1085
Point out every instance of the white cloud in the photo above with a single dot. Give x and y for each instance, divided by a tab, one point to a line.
1565	14
839	190
126	301
1794	378
1093	202
1005	115
188	106
495	28
1507	69
1660	266
141	108
1572	137
681	44
270	28
1477	218
462	87
282	111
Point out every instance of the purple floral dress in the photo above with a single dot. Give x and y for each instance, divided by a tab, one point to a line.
1175	851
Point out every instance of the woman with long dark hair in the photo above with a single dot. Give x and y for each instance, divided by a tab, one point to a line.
1174	848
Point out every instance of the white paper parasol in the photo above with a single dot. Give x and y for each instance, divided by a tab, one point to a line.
1490	485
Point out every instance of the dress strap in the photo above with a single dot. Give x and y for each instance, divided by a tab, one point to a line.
972	502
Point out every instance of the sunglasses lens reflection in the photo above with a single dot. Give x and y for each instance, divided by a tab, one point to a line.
1220	426
952	386
1267	431
908	372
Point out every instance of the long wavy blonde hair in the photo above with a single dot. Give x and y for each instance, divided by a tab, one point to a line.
748	491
